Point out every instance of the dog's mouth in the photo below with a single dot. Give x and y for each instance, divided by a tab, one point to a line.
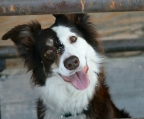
79	80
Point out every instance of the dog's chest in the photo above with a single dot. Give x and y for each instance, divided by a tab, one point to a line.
62	98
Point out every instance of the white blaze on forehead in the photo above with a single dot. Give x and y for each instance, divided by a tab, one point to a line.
50	42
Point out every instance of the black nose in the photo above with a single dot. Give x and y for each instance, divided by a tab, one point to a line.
71	63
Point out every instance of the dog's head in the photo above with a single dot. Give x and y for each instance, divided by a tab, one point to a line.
81	49
69	49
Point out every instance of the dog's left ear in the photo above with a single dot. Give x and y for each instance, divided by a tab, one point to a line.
23	34
23	37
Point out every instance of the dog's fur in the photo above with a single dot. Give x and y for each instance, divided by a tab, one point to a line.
44	52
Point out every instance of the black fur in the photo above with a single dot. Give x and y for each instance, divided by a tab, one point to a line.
41	108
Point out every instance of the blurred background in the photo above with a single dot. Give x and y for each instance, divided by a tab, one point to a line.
124	70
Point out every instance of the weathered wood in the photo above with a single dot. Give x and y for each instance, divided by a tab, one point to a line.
2	64
110	26
111	46
8	52
30	7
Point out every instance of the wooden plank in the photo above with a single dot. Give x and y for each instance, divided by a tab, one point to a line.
119	25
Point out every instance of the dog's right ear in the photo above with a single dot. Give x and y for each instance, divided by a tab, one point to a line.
23	34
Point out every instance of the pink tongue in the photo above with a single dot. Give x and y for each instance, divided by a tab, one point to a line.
79	80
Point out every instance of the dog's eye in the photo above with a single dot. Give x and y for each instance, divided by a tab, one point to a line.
73	39
49	52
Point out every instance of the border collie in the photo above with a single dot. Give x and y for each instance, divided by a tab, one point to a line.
66	61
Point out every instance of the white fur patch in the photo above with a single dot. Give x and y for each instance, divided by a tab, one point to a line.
50	42
61	97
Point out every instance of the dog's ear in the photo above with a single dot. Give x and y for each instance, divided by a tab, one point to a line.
23	34
58	15
61	18
78	18
23	37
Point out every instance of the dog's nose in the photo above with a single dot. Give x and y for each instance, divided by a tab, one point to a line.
71	63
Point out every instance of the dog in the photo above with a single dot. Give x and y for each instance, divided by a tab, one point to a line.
66	61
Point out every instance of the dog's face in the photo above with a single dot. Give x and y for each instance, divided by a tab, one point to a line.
78	55
72	65
66	49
